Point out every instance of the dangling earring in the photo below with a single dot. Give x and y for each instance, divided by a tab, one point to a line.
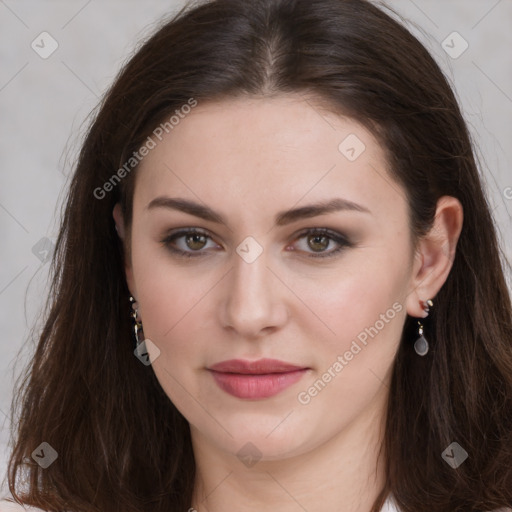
137	324
421	345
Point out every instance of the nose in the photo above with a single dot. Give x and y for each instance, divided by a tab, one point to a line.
255	301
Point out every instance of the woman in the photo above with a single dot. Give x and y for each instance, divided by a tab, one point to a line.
270	287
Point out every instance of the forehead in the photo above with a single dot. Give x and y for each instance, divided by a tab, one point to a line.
256	152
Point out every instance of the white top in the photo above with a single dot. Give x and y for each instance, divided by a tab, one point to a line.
389	505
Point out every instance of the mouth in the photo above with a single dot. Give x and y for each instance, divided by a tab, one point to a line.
255	380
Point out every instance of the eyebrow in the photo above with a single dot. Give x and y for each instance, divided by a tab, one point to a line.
281	219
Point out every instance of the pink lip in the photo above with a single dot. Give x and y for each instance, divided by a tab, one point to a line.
255	379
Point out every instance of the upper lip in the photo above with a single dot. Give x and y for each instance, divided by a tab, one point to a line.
261	366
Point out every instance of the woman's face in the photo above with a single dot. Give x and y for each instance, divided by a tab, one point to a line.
263	283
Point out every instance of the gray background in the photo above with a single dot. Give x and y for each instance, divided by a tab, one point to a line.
44	102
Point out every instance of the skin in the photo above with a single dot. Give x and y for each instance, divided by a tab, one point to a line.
249	158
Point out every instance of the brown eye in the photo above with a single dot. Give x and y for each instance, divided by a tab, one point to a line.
188	243
195	241
318	242
320	239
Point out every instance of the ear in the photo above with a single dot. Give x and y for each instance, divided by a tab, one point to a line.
434	256
117	213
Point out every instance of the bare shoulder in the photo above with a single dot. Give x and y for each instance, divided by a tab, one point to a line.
11	506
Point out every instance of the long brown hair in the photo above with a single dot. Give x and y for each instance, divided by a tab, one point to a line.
121	443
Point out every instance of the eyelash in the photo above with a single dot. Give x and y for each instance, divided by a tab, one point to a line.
332	235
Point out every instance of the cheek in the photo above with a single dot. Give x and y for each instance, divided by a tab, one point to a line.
172	302
366	292
161	292
366	314
171	305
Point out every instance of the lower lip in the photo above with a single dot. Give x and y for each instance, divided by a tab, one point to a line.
256	386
